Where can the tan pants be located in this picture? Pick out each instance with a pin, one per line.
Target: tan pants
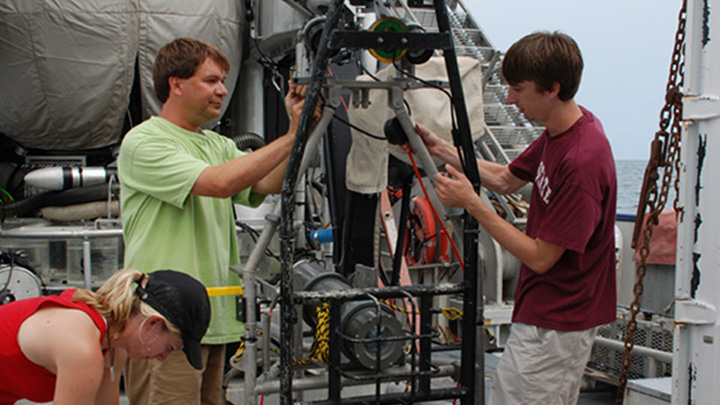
(541, 366)
(175, 382)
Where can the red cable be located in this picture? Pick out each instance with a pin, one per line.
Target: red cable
(442, 224)
(454, 400)
(341, 98)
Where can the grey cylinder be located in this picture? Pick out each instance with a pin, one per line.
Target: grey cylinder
(359, 320)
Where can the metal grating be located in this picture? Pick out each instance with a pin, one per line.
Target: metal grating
(515, 137)
(495, 94)
(481, 53)
(426, 18)
(654, 334)
(503, 115)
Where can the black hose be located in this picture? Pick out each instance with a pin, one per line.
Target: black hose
(57, 198)
(248, 140)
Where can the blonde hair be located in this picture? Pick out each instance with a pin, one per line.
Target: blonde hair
(117, 301)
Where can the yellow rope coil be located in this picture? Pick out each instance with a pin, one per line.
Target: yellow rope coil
(452, 314)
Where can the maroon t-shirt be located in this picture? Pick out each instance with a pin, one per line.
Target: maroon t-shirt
(573, 206)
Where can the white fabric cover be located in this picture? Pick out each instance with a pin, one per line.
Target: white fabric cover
(67, 67)
(368, 158)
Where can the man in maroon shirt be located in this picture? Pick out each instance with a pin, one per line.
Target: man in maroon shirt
(566, 287)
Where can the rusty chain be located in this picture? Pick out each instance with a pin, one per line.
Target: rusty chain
(665, 152)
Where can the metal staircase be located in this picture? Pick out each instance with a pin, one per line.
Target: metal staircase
(507, 132)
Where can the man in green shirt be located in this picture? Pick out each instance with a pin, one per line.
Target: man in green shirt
(179, 183)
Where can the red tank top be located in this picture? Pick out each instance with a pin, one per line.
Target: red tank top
(19, 377)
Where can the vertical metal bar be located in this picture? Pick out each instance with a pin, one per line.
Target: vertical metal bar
(471, 305)
(415, 345)
(426, 329)
(378, 348)
(334, 388)
(287, 233)
(87, 264)
(266, 343)
(402, 230)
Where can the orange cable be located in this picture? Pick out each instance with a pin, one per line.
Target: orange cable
(442, 224)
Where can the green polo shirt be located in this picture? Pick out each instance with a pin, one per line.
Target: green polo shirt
(165, 227)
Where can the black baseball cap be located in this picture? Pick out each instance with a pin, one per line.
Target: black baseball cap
(183, 301)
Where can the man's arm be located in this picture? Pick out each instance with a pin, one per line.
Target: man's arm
(231, 177)
(537, 254)
(494, 176)
(294, 103)
(263, 169)
(498, 178)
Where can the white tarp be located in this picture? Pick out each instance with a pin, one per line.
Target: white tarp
(67, 66)
(368, 158)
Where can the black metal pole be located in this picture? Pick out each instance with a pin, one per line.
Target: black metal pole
(287, 232)
(462, 138)
(334, 385)
(402, 229)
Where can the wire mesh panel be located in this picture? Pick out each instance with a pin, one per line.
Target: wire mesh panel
(654, 333)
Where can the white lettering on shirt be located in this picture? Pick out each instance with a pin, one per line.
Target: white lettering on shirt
(542, 182)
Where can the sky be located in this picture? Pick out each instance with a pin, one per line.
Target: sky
(626, 44)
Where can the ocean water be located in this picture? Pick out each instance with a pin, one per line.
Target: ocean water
(629, 182)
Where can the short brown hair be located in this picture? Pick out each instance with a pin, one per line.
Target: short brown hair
(545, 58)
(181, 58)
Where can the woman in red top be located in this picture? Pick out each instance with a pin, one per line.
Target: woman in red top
(70, 348)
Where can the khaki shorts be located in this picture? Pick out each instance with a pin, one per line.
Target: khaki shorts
(175, 382)
(541, 366)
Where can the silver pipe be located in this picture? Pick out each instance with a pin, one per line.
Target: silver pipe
(318, 382)
(249, 112)
(421, 151)
(62, 178)
(265, 319)
(87, 265)
(59, 233)
(659, 355)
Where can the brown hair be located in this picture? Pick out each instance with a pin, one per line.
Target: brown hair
(181, 58)
(545, 58)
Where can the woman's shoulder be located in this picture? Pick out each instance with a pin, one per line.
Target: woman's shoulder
(73, 333)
